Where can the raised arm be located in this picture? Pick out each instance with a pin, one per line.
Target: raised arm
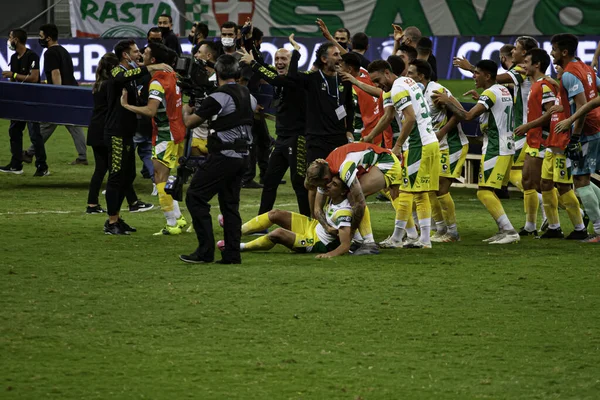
(327, 35)
(369, 89)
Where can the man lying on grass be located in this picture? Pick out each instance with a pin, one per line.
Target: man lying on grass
(303, 234)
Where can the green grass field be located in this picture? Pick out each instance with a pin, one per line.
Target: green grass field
(84, 315)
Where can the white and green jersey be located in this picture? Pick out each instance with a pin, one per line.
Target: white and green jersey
(521, 96)
(406, 92)
(439, 118)
(496, 122)
(338, 215)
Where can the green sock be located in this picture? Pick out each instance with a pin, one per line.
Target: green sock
(590, 202)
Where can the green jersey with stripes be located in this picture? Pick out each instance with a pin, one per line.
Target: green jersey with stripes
(495, 122)
(157, 92)
(439, 118)
(521, 95)
(406, 92)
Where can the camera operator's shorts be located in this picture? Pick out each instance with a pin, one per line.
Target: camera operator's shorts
(168, 153)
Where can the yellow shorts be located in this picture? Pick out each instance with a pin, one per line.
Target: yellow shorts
(391, 168)
(556, 168)
(200, 144)
(421, 169)
(494, 170)
(520, 151)
(535, 153)
(168, 153)
(451, 165)
(306, 235)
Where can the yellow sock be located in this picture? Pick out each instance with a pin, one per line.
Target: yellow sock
(550, 199)
(561, 204)
(531, 202)
(364, 228)
(448, 209)
(436, 208)
(257, 224)
(165, 200)
(494, 206)
(262, 243)
(516, 178)
(403, 205)
(424, 215)
(571, 203)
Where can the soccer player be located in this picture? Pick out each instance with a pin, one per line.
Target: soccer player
(365, 169)
(164, 105)
(303, 234)
(420, 166)
(579, 86)
(495, 107)
(555, 168)
(454, 147)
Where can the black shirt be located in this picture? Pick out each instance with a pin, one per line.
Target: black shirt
(433, 63)
(57, 57)
(322, 101)
(25, 64)
(172, 41)
(144, 126)
(95, 136)
(289, 98)
(363, 60)
(119, 121)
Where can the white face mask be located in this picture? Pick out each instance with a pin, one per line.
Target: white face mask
(228, 42)
(10, 45)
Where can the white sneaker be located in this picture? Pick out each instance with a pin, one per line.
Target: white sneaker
(450, 237)
(494, 238)
(439, 235)
(507, 238)
(154, 190)
(390, 243)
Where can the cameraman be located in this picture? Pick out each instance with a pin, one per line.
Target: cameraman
(164, 105)
(230, 111)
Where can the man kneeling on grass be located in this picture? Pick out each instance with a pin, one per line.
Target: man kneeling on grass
(303, 234)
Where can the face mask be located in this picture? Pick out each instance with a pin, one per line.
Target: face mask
(191, 39)
(165, 30)
(154, 41)
(344, 45)
(11, 46)
(43, 42)
(132, 63)
(227, 42)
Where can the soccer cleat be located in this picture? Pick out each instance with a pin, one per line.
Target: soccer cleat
(592, 239)
(220, 219)
(450, 237)
(354, 246)
(11, 170)
(193, 259)
(390, 243)
(439, 236)
(578, 235)
(544, 224)
(41, 172)
(181, 222)
(369, 248)
(140, 206)
(79, 162)
(97, 209)
(507, 238)
(553, 234)
(408, 241)
(114, 229)
(493, 238)
(169, 230)
(221, 245)
(417, 245)
(525, 232)
(126, 227)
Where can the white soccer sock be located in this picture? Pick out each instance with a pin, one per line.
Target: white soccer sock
(412, 233)
(530, 226)
(504, 223)
(170, 216)
(176, 209)
(242, 246)
(399, 228)
(425, 231)
(542, 206)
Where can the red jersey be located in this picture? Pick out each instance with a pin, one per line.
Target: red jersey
(354, 159)
(587, 77)
(559, 140)
(371, 110)
(542, 92)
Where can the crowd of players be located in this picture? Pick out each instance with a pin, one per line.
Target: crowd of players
(350, 128)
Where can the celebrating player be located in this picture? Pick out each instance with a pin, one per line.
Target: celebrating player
(303, 234)
(495, 107)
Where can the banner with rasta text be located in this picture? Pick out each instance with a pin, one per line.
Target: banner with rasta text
(119, 18)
